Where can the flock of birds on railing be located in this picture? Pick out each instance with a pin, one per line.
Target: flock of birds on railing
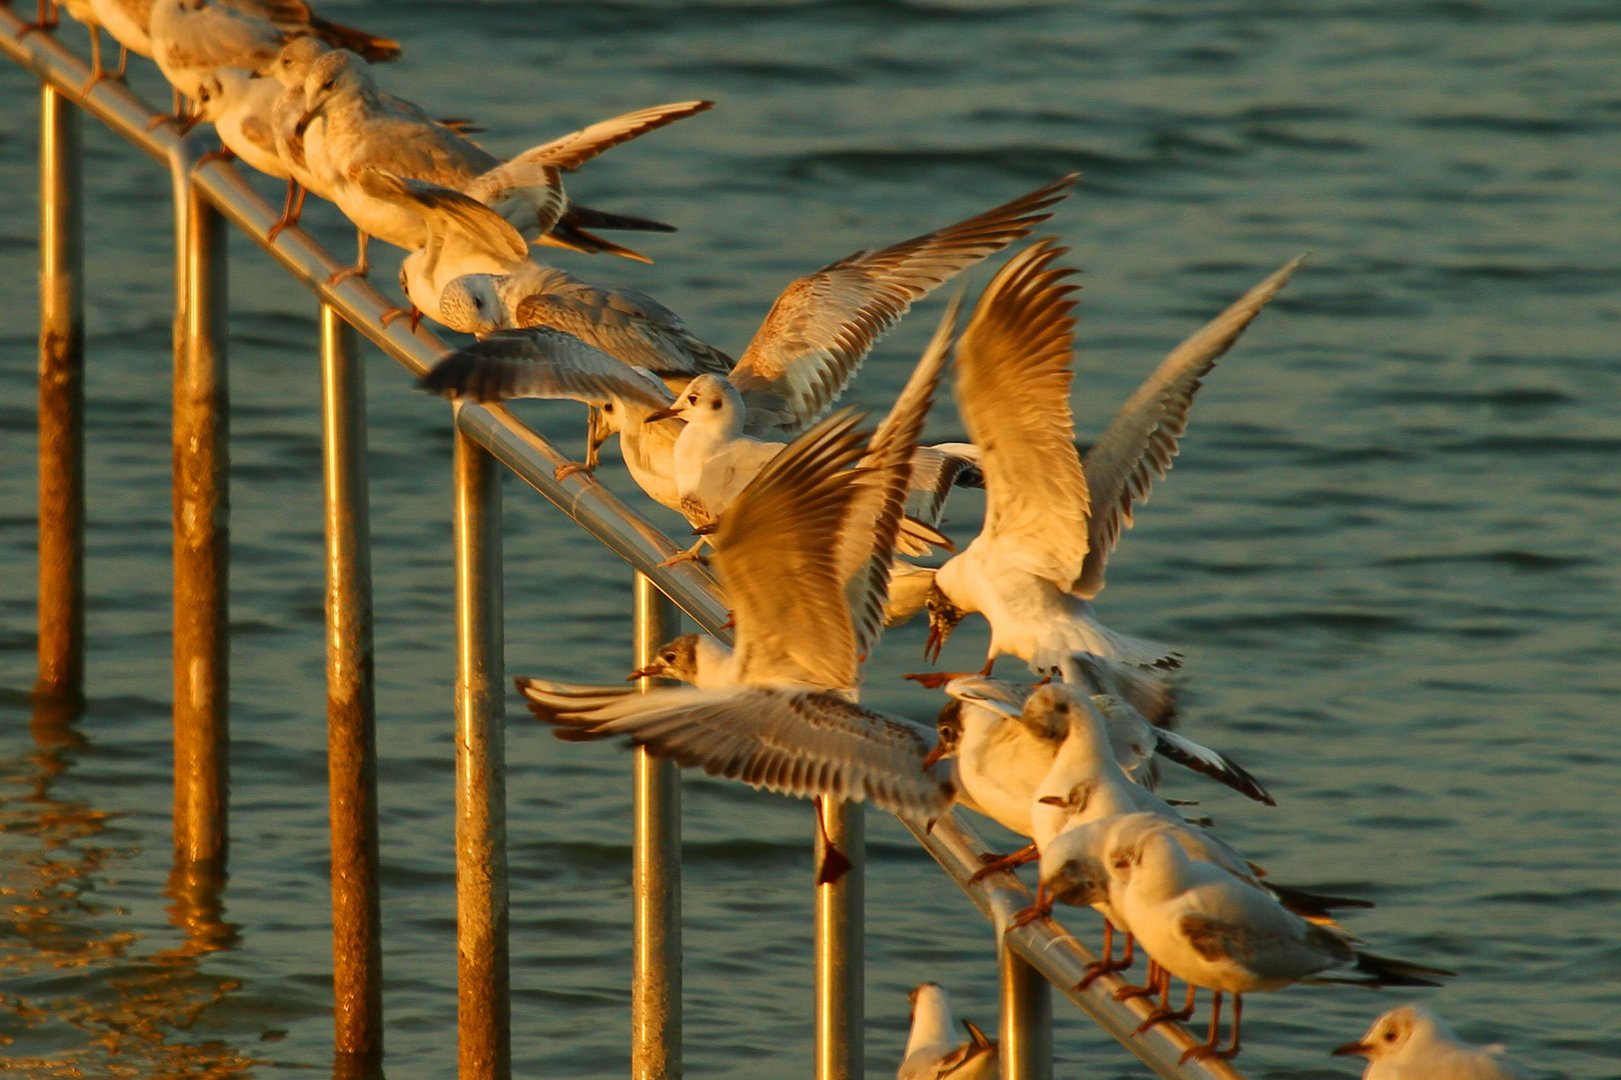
(815, 521)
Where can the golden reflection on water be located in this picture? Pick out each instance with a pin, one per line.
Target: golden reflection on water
(76, 995)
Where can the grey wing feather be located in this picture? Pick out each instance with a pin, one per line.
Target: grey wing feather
(581, 146)
(823, 325)
(1207, 762)
(936, 470)
(623, 323)
(792, 742)
(1142, 439)
(541, 363)
(867, 542)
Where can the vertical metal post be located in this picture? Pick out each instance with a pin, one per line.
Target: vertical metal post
(357, 949)
(61, 401)
(201, 509)
(484, 1012)
(840, 959)
(655, 1003)
(1026, 1035)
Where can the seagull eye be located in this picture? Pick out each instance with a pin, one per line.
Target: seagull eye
(1390, 1036)
(692, 399)
(327, 85)
(667, 657)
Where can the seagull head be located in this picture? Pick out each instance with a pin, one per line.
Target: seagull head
(337, 73)
(470, 304)
(1399, 1035)
(943, 619)
(948, 728)
(292, 64)
(707, 400)
(211, 94)
(1079, 880)
(676, 659)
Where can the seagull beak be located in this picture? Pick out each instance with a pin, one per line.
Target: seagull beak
(935, 642)
(934, 756)
(307, 119)
(661, 414)
(651, 671)
(1358, 1049)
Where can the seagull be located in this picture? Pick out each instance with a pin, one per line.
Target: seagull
(359, 128)
(932, 1053)
(804, 353)
(85, 12)
(1412, 1043)
(191, 38)
(804, 561)
(1214, 931)
(1050, 522)
(241, 105)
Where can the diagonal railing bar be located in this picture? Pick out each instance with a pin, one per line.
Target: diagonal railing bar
(1044, 946)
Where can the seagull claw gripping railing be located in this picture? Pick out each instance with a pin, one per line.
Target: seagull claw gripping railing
(1033, 957)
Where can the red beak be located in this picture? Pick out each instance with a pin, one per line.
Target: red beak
(1357, 1049)
(936, 641)
(652, 671)
(934, 756)
(661, 414)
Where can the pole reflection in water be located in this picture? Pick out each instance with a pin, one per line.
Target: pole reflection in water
(76, 996)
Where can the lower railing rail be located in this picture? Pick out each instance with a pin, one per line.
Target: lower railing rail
(1033, 958)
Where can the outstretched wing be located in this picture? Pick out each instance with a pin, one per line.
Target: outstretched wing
(866, 544)
(823, 325)
(775, 557)
(1013, 376)
(460, 228)
(578, 147)
(799, 743)
(1142, 439)
(542, 363)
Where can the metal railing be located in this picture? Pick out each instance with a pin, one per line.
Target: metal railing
(208, 194)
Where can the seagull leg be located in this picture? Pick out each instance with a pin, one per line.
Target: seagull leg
(395, 312)
(835, 863)
(1127, 992)
(1106, 964)
(362, 265)
(593, 446)
(934, 680)
(48, 19)
(291, 210)
(1042, 908)
(1213, 1040)
(691, 554)
(224, 153)
(996, 864)
(97, 72)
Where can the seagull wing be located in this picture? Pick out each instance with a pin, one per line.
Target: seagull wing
(775, 557)
(581, 146)
(823, 325)
(936, 470)
(1013, 376)
(1142, 439)
(621, 322)
(542, 363)
(866, 544)
(794, 742)
(460, 228)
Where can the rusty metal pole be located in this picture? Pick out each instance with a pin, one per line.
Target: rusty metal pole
(484, 1010)
(201, 509)
(61, 402)
(840, 962)
(1026, 1035)
(655, 1003)
(351, 731)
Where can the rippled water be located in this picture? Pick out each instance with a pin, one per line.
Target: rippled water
(1389, 549)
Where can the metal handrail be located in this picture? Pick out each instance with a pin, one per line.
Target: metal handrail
(1041, 947)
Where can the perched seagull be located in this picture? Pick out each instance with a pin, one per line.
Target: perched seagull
(1050, 523)
(358, 128)
(808, 348)
(1214, 931)
(1412, 1043)
(1074, 871)
(241, 106)
(932, 1052)
(804, 562)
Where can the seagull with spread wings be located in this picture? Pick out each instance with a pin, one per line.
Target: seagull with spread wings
(804, 559)
(1050, 522)
(803, 355)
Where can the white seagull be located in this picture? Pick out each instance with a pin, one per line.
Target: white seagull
(804, 562)
(1214, 931)
(360, 128)
(932, 1051)
(1050, 523)
(1412, 1043)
